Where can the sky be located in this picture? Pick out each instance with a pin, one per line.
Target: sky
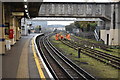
(59, 22)
(62, 22)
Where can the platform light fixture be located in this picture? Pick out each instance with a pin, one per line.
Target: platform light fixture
(25, 0)
(25, 6)
(26, 11)
(28, 16)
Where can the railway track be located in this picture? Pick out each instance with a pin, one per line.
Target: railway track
(59, 65)
(101, 56)
(90, 44)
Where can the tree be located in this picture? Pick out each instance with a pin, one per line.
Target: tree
(82, 25)
(88, 27)
(70, 27)
(77, 24)
(92, 26)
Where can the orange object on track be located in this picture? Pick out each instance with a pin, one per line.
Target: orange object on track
(61, 37)
(68, 36)
(57, 37)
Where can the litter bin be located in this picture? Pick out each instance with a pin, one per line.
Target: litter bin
(8, 44)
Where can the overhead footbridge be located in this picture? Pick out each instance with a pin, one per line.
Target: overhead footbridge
(76, 10)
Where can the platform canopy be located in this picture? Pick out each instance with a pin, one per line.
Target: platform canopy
(21, 0)
(19, 7)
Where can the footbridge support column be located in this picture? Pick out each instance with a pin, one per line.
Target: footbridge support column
(115, 25)
(118, 22)
(110, 35)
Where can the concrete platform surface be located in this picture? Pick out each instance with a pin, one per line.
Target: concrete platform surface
(19, 61)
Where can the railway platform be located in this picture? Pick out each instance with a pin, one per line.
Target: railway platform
(19, 62)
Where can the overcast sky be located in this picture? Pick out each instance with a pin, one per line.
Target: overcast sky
(60, 22)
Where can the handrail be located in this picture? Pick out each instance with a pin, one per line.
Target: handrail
(96, 35)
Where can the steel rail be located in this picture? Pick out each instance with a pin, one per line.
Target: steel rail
(45, 60)
(64, 72)
(113, 59)
(68, 64)
(80, 70)
(96, 56)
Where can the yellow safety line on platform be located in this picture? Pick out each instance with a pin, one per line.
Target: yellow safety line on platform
(41, 74)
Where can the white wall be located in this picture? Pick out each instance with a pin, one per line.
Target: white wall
(113, 33)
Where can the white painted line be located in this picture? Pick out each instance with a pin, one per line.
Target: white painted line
(49, 73)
